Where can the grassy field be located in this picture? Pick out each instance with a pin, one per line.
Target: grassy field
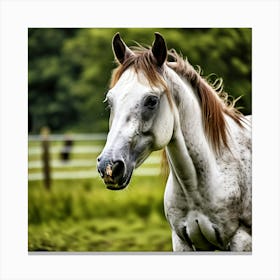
(83, 216)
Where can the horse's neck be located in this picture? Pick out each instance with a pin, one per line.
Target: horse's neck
(190, 156)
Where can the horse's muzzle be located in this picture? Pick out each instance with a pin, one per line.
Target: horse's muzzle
(112, 173)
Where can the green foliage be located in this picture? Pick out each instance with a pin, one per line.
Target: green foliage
(82, 215)
(69, 69)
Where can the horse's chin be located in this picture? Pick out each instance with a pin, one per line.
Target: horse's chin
(115, 187)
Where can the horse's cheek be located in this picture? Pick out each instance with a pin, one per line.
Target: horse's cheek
(163, 132)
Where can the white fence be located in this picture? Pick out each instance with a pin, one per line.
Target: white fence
(76, 168)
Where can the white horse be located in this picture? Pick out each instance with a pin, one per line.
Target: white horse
(157, 104)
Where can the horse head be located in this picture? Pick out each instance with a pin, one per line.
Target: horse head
(141, 119)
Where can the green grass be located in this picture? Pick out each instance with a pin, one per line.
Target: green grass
(101, 234)
(82, 215)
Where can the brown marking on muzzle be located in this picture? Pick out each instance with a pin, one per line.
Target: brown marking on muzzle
(108, 179)
(109, 171)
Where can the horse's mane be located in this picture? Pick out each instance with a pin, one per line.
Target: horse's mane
(215, 103)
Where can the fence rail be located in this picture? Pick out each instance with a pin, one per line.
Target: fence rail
(76, 150)
(75, 137)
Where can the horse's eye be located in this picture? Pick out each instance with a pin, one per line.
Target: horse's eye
(151, 102)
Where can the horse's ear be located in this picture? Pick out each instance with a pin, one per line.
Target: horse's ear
(120, 49)
(159, 49)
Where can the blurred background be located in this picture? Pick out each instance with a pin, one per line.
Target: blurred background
(69, 70)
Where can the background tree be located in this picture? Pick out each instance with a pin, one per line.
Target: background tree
(69, 69)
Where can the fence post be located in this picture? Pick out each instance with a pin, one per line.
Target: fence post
(65, 154)
(46, 157)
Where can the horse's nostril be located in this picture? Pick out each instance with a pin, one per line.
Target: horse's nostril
(112, 172)
(118, 169)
